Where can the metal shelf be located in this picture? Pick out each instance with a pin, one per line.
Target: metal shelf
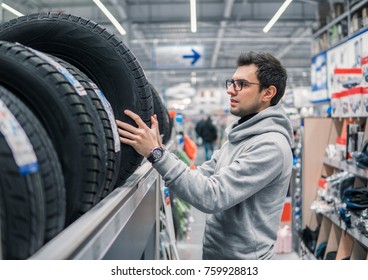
(339, 18)
(124, 225)
(343, 165)
(354, 232)
(305, 252)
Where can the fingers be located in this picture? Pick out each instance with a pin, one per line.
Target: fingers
(135, 118)
(130, 132)
(127, 134)
(154, 121)
(128, 127)
(155, 126)
(127, 141)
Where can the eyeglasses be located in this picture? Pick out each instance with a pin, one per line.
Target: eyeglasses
(239, 84)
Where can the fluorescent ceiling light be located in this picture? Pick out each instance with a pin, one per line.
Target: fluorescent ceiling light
(110, 17)
(193, 16)
(276, 16)
(12, 10)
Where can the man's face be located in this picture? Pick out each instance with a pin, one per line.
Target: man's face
(248, 100)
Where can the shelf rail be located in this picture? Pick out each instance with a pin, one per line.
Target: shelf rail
(118, 227)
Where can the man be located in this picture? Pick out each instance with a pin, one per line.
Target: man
(243, 186)
(198, 128)
(208, 132)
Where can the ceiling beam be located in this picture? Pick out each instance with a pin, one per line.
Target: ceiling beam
(174, 71)
(240, 11)
(300, 33)
(225, 39)
(220, 32)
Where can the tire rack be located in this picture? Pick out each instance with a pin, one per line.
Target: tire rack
(124, 225)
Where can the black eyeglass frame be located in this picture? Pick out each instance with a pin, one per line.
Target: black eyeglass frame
(228, 83)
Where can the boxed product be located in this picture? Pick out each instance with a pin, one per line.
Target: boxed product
(345, 78)
(340, 148)
(365, 70)
(336, 105)
(365, 102)
(354, 23)
(338, 9)
(355, 101)
(365, 16)
(345, 104)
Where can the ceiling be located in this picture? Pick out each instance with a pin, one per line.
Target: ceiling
(225, 29)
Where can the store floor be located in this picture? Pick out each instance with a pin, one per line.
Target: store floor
(190, 248)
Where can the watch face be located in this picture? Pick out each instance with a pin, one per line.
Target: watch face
(156, 154)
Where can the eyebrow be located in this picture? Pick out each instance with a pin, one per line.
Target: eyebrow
(242, 80)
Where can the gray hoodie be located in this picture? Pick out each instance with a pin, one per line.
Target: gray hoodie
(242, 187)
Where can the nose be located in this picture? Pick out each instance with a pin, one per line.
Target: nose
(231, 91)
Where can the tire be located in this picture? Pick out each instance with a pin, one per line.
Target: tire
(171, 123)
(110, 133)
(98, 54)
(64, 115)
(98, 128)
(22, 205)
(162, 115)
(49, 165)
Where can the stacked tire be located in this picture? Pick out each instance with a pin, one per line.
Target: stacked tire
(63, 82)
(32, 194)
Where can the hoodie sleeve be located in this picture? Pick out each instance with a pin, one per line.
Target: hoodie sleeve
(252, 170)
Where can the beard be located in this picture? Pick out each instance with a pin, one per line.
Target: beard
(241, 112)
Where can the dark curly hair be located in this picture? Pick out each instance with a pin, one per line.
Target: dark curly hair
(270, 71)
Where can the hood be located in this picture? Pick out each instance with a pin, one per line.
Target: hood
(272, 119)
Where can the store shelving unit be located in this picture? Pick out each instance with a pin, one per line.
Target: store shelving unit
(305, 253)
(353, 232)
(347, 242)
(293, 189)
(312, 164)
(343, 24)
(346, 166)
(348, 23)
(124, 225)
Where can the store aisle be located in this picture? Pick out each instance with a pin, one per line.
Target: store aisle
(190, 248)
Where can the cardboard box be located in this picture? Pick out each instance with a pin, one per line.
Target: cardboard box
(355, 96)
(365, 101)
(339, 9)
(336, 105)
(365, 70)
(345, 104)
(340, 148)
(365, 16)
(354, 23)
(345, 78)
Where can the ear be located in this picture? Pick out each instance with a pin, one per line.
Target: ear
(269, 93)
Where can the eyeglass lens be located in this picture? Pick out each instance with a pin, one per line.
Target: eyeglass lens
(238, 85)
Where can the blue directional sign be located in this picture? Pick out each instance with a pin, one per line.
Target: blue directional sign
(195, 56)
(166, 57)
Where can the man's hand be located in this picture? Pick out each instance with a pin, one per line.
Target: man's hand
(142, 138)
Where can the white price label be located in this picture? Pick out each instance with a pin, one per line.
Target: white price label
(110, 114)
(18, 141)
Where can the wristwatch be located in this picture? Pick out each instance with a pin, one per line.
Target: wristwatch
(155, 155)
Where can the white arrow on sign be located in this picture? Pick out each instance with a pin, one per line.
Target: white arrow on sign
(177, 57)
